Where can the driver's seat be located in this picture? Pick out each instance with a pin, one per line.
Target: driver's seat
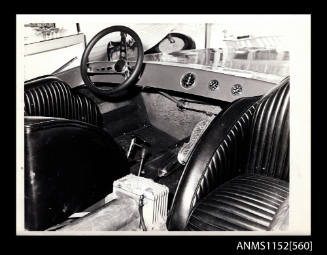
(70, 160)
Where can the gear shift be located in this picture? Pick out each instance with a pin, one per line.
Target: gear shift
(139, 142)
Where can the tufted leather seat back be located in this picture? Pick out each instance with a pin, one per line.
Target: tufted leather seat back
(69, 165)
(249, 137)
(269, 139)
(69, 158)
(52, 97)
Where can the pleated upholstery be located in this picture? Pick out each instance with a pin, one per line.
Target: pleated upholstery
(218, 157)
(51, 97)
(269, 141)
(226, 162)
(247, 202)
(253, 142)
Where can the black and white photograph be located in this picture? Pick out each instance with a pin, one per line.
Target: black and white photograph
(163, 124)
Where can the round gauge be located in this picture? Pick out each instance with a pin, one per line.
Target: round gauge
(188, 80)
(213, 85)
(237, 89)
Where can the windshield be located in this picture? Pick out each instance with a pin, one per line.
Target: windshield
(214, 45)
(202, 45)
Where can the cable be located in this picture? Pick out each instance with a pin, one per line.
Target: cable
(181, 104)
(141, 204)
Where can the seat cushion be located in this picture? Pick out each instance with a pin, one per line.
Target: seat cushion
(247, 202)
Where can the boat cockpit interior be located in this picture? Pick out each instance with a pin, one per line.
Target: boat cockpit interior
(134, 139)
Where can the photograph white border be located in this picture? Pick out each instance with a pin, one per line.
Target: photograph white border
(298, 30)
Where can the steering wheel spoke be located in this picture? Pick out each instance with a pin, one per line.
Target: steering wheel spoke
(127, 73)
(123, 46)
(100, 68)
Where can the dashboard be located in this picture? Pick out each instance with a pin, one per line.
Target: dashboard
(224, 85)
(206, 73)
(211, 73)
(221, 84)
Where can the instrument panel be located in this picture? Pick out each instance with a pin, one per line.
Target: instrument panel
(203, 82)
(221, 84)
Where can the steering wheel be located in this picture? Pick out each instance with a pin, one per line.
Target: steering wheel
(119, 67)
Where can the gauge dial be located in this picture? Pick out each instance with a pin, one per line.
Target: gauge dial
(237, 89)
(213, 85)
(188, 80)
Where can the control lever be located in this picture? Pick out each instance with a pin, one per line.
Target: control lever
(144, 153)
(138, 142)
(131, 147)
